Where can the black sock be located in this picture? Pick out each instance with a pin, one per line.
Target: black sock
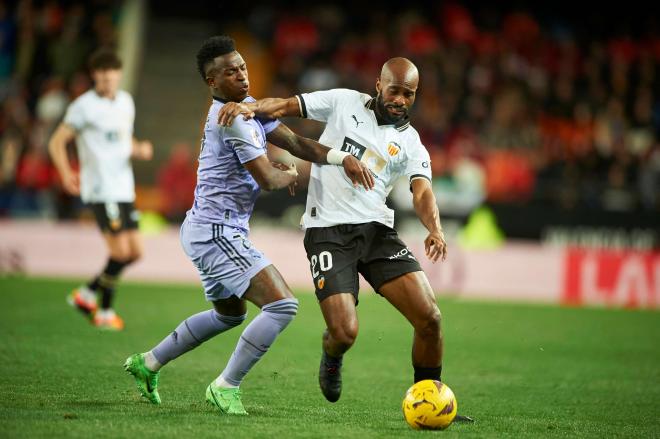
(94, 283)
(107, 294)
(427, 373)
(331, 361)
(107, 280)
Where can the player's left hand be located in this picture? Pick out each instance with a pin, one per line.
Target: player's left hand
(231, 110)
(358, 172)
(291, 169)
(280, 166)
(435, 246)
(143, 150)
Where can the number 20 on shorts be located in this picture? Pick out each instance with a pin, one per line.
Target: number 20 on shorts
(324, 262)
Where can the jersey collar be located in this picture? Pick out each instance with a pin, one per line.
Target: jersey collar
(400, 125)
(224, 101)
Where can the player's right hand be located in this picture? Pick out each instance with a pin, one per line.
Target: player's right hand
(71, 183)
(435, 246)
(231, 110)
(358, 172)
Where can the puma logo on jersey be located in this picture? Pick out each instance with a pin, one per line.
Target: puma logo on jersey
(357, 122)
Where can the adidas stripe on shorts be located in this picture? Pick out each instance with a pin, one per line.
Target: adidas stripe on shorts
(224, 257)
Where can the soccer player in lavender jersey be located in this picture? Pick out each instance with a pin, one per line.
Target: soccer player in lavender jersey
(349, 230)
(233, 167)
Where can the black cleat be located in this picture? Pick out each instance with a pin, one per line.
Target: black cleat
(463, 418)
(330, 378)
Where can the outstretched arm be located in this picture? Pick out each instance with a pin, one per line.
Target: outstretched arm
(270, 108)
(426, 209)
(310, 150)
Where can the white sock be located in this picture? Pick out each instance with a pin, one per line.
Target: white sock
(105, 313)
(151, 363)
(220, 382)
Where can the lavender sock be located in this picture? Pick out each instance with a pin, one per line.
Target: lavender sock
(192, 332)
(257, 338)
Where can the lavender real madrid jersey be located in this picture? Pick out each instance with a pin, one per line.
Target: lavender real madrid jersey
(226, 191)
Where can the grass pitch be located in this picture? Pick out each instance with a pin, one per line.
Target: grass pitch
(519, 370)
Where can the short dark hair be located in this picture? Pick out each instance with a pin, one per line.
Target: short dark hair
(211, 49)
(104, 59)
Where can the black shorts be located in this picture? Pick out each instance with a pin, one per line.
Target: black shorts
(337, 254)
(115, 217)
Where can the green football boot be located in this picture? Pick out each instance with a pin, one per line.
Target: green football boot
(228, 400)
(147, 381)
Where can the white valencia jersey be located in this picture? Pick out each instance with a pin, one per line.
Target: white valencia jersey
(104, 137)
(390, 152)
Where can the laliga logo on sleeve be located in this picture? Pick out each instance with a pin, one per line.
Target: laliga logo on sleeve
(255, 136)
(393, 149)
(321, 282)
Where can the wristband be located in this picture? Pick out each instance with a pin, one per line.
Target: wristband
(336, 157)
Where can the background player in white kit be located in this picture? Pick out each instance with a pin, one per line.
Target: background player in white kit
(349, 230)
(101, 122)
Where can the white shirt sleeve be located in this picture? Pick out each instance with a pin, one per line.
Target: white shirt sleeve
(418, 164)
(75, 115)
(320, 105)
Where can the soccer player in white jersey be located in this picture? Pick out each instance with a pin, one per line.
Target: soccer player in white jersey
(233, 168)
(349, 230)
(101, 122)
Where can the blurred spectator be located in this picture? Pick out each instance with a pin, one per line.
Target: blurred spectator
(69, 51)
(7, 35)
(10, 147)
(34, 177)
(319, 76)
(176, 183)
(649, 179)
(51, 104)
(26, 44)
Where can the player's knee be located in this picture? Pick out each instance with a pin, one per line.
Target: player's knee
(344, 334)
(135, 256)
(430, 325)
(122, 255)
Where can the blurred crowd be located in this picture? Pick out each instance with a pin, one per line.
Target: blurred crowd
(43, 51)
(513, 107)
(44, 47)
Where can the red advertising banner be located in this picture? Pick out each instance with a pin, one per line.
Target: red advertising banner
(612, 278)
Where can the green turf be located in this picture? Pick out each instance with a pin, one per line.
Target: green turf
(521, 371)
